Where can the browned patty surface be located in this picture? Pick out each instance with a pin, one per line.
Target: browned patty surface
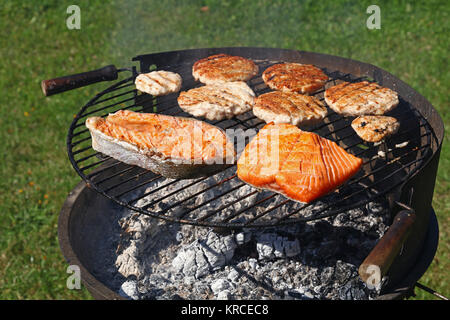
(375, 128)
(289, 107)
(224, 68)
(218, 101)
(361, 98)
(294, 77)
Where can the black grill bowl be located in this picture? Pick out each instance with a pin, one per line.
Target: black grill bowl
(85, 220)
(85, 224)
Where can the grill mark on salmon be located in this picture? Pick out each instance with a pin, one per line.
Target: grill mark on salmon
(308, 166)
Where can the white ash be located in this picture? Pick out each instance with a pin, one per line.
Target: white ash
(128, 289)
(220, 285)
(402, 145)
(317, 259)
(313, 260)
(224, 295)
(272, 245)
(202, 257)
(398, 145)
(381, 153)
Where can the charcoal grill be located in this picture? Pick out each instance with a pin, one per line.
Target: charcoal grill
(401, 169)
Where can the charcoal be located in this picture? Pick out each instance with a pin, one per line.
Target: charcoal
(326, 275)
(224, 295)
(343, 272)
(233, 276)
(202, 257)
(253, 264)
(313, 260)
(202, 288)
(128, 262)
(352, 291)
(271, 245)
(220, 285)
(314, 280)
(243, 237)
(128, 289)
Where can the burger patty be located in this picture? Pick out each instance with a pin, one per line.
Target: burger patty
(158, 83)
(375, 128)
(218, 101)
(294, 77)
(361, 98)
(289, 107)
(224, 68)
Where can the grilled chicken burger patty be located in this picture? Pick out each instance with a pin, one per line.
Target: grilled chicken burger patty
(361, 98)
(294, 77)
(158, 83)
(218, 101)
(224, 68)
(375, 128)
(289, 107)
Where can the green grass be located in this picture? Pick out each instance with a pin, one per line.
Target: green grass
(35, 44)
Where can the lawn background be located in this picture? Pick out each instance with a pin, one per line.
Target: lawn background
(35, 44)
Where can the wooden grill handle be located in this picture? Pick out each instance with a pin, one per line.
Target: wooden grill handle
(378, 262)
(57, 85)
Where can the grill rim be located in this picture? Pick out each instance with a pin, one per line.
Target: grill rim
(317, 59)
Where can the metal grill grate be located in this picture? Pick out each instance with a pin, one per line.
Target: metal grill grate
(222, 200)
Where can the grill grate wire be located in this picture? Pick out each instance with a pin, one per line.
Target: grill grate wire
(386, 166)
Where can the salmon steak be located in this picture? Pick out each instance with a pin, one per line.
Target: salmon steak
(174, 147)
(300, 165)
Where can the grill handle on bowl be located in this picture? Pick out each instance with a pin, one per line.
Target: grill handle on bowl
(378, 262)
(58, 85)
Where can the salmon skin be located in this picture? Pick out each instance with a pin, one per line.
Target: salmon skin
(174, 147)
(300, 165)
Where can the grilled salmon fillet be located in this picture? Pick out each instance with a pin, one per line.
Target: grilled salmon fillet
(262, 158)
(300, 165)
(158, 83)
(289, 107)
(174, 147)
(294, 77)
(375, 128)
(361, 98)
(218, 101)
(224, 68)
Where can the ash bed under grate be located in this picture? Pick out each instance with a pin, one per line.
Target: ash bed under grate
(312, 260)
(222, 200)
